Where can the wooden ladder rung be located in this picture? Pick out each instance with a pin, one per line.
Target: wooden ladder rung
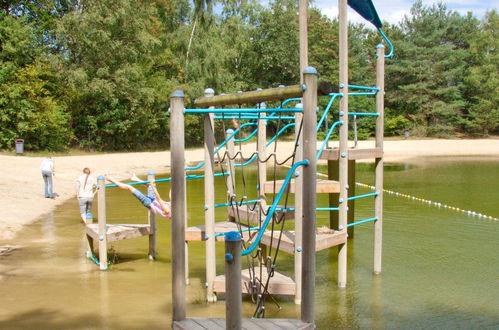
(322, 241)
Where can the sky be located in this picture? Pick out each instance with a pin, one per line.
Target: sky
(394, 10)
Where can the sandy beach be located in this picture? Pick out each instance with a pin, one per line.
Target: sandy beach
(21, 185)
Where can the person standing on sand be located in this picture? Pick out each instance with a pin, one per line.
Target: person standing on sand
(154, 204)
(86, 187)
(47, 169)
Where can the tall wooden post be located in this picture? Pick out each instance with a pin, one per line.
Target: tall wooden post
(343, 212)
(152, 223)
(262, 154)
(378, 200)
(101, 214)
(209, 205)
(177, 149)
(309, 194)
(233, 299)
(302, 20)
(333, 174)
(231, 179)
(298, 205)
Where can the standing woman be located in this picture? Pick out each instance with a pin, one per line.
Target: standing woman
(47, 169)
(86, 186)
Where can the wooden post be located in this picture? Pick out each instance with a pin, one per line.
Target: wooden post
(298, 206)
(231, 179)
(378, 200)
(333, 174)
(302, 20)
(351, 192)
(309, 194)
(233, 298)
(343, 159)
(209, 203)
(178, 204)
(152, 223)
(101, 213)
(262, 154)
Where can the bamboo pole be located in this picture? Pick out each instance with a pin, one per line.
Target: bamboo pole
(101, 213)
(302, 20)
(209, 203)
(309, 194)
(343, 159)
(151, 217)
(378, 201)
(178, 204)
(233, 298)
(298, 207)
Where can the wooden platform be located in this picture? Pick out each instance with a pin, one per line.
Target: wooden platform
(323, 241)
(323, 186)
(245, 214)
(279, 284)
(353, 154)
(198, 233)
(116, 232)
(247, 324)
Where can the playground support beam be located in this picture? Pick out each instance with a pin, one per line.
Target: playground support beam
(151, 218)
(270, 94)
(233, 299)
(298, 206)
(302, 20)
(309, 194)
(378, 200)
(231, 179)
(177, 155)
(343, 212)
(101, 214)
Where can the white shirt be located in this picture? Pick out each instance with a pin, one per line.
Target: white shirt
(86, 189)
(47, 165)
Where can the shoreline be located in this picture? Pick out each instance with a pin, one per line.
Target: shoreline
(21, 186)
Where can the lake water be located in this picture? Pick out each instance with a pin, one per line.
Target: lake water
(440, 266)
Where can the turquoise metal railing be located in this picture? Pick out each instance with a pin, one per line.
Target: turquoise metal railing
(390, 54)
(326, 110)
(361, 222)
(241, 110)
(236, 203)
(351, 198)
(187, 177)
(326, 139)
(363, 87)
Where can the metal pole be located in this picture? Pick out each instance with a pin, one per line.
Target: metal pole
(298, 207)
(378, 201)
(343, 159)
(209, 203)
(309, 194)
(101, 214)
(151, 217)
(177, 149)
(233, 299)
(302, 20)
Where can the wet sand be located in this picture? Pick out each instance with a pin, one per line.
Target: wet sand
(21, 185)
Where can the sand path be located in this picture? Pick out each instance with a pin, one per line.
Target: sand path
(21, 185)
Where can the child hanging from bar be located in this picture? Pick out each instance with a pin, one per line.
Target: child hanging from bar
(152, 200)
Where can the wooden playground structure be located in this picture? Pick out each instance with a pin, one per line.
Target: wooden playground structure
(245, 230)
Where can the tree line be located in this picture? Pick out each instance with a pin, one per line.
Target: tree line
(97, 74)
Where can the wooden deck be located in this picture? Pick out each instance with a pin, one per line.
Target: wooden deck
(243, 213)
(353, 154)
(323, 186)
(198, 233)
(322, 241)
(247, 324)
(116, 232)
(279, 284)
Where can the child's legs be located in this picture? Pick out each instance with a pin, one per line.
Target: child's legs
(145, 200)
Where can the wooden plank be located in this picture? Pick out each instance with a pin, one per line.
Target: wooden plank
(247, 324)
(187, 324)
(244, 213)
(198, 233)
(323, 241)
(279, 283)
(323, 186)
(116, 232)
(353, 154)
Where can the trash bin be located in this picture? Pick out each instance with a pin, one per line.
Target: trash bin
(19, 146)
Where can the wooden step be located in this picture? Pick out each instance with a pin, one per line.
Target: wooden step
(244, 214)
(322, 241)
(353, 153)
(323, 186)
(194, 323)
(198, 233)
(279, 284)
(116, 232)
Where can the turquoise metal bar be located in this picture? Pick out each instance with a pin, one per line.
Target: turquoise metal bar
(296, 99)
(362, 93)
(326, 110)
(272, 210)
(390, 54)
(374, 114)
(328, 135)
(362, 196)
(236, 203)
(241, 231)
(279, 133)
(363, 87)
(187, 177)
(248, 137)
(361, 222)
(327, 209)
(250, 110)
(251, 160)
(256, 117)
